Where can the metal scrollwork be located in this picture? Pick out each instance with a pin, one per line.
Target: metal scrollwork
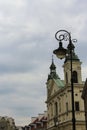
(64, 35)
(74, 40)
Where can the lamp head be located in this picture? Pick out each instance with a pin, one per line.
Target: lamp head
(60, 52)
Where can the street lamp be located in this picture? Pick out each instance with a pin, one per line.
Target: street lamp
(61, 53)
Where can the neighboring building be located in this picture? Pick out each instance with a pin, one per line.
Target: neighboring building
(59, 103)
(84, 96)
(7, 123)
(19, 128)
(37, 123)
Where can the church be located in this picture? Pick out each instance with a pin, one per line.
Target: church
(59, 103)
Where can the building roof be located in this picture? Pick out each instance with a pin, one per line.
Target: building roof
(59, 82)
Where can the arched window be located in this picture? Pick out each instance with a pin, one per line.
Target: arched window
(66, 78)
(51, 105)
(75, 77)
(56, 108)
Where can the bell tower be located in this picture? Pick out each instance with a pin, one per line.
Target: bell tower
(76, 67)
(53, 73)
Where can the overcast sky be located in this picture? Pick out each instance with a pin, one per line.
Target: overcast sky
(27, 40)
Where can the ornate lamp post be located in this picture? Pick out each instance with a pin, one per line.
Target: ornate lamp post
(61, 53)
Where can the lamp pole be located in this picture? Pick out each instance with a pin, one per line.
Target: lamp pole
(61, 53)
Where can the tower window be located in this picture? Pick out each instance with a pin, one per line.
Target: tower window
(59, 106)
(77, 106)
(56, 108)
(66, 78)
(67, 108)
(51, 110)
(75, 77)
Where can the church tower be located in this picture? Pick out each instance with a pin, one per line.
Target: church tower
(53, 80)
(76, 67)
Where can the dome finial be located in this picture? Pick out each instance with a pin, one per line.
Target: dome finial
(53, 67)
(52, 59)
(53, 73)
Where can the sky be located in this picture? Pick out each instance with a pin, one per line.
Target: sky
(27, 41)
